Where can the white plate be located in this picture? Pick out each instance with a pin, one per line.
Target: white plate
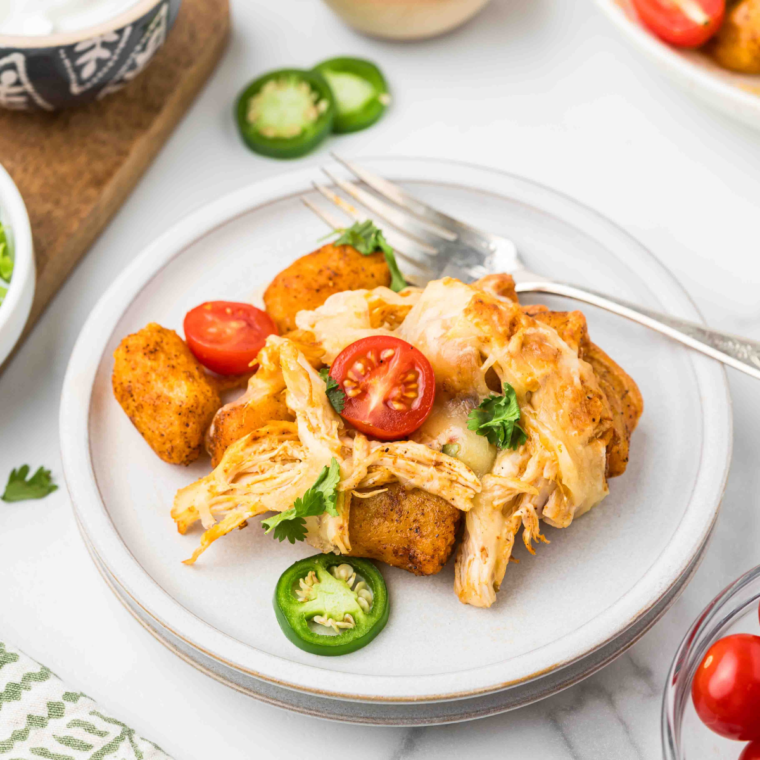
(737, 95)
(14, 311)
(404, 713)
(593, 582)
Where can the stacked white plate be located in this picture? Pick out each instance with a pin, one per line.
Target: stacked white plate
(560, 616)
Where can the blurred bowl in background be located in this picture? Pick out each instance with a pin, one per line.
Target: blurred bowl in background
(405, 19)
(47, 72)
(684, 736)
(15, 308)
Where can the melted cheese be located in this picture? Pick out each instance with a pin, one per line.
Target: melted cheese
(447, 424)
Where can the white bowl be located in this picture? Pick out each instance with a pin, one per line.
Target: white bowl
(14, 311)
(737, 95)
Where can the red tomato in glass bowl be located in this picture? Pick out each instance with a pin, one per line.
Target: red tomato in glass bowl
(389, 386)
(226, 336)
(751, 752)
(726, 687)
(685, 23)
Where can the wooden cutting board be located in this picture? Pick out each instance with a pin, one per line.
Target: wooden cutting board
(75, 168)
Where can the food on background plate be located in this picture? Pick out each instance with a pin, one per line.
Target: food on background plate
(360, 90)
(737, 44)
(729, 34)
(378, 421)
(6, 263)
(685, 23)
(165, 392)
(289, 112)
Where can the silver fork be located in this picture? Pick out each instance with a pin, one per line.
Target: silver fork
(436, 245)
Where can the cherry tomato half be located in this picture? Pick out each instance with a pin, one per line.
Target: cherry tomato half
(226, 336)
(389, 386)
(726, 687)
(751, 752)
(686, 23)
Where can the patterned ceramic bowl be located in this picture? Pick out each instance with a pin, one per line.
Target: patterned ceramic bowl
(60, 70)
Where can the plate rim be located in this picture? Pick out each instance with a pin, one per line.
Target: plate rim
(159, 605)
(732, 99)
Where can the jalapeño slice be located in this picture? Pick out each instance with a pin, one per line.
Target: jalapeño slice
(360, 90)
(331, 605)
(286, 113)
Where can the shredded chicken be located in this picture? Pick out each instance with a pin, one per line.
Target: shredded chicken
(269, 468)
(476, 337)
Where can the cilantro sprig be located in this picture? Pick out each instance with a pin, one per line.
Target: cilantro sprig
(497, 419)
(367, 239)
(6, 263)
(335, 394)
(19, 488)
(320, 498)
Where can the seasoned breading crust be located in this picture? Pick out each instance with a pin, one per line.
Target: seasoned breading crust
(165, 392)
(309, 281)
(736, 46)
(262, 403)
(622, 393)
(406, 528)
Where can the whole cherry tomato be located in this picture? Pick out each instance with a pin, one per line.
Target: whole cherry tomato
(751, 752)
(226, 336)
(726, 687)
(686, 23)
(389, 386)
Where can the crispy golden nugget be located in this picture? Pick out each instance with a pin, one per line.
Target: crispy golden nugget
(621, 391)
(625, 401)
(165, 392)
(309, 281)
(736, 46)
(235, 420)
(410, 529)
(264, 399)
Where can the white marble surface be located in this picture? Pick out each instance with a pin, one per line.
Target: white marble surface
(542, 88)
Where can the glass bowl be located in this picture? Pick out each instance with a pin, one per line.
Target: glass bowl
(684, 736)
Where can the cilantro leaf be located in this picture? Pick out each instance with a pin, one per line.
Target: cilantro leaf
(366, 238)
(36, 487)
(327, 485)
(496, 418)
(335, 394)
(320, 498)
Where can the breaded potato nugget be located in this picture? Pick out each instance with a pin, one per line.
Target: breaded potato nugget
(165, 392)
(309, 281)
(623, 395)
(411, 529)
(736, 46)
(264, 399)
(241, 417)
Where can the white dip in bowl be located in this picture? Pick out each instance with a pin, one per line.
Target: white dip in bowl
(41, 17)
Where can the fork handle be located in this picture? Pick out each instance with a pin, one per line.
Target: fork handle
(739, 353)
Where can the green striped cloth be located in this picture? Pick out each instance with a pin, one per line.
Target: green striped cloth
(41, 718)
